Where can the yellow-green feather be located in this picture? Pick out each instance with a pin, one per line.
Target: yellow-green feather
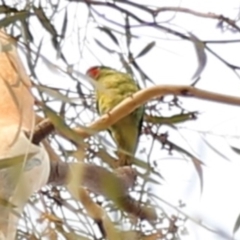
(115, 87)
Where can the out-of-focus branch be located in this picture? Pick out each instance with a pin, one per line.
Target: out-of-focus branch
(108, 230)
(92, 176)
(113, 185)
(99, 215)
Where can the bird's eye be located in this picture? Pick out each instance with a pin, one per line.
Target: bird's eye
(93, 72)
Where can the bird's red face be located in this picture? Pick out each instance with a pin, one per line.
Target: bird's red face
(94, 72)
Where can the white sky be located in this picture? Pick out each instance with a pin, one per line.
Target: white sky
(174, 62)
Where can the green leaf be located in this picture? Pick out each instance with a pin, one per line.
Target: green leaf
(19, 16)
(6, 203)
(201, 55)
(44, 20)
(54, 93)
(237, 224)
(110, 34)
(62, 126)
(236, 150)
(104, 47)
(196, 162)
(198, 166)
(27, 33)
(6, 9)
(178, 118)
(64, 26)
(146, 49)
(213, 148)
(46, 23)
(13, 161)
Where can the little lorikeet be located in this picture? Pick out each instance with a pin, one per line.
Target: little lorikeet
(114, 86)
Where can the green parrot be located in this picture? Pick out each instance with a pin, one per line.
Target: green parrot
(114, 87)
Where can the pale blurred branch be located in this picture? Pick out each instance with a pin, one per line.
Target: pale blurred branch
(97, 180)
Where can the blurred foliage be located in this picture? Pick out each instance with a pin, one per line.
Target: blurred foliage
(52, 213)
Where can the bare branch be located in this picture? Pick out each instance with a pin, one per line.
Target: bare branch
(131, 103)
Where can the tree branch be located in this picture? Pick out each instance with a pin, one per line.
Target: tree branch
(131, 103)
(140, 98)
